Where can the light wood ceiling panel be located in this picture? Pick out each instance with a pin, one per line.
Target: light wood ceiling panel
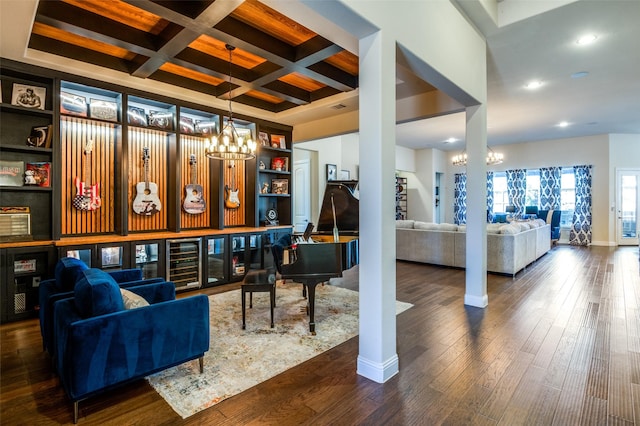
(264, 18)
(67, 37)
(346, 61)
(264, 97)
(188, 73)
(217, 49)
(124, 13)
(302, 82)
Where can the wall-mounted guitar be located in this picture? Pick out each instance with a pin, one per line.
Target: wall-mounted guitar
(87, 196)
(146, 202)
(193, 201)
(231, 200)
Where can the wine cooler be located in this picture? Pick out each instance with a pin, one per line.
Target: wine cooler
(183, 263)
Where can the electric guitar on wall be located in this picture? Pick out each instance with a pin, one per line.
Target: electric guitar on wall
(87, 196)
(146, 202)
(231, 200)
(193, 201)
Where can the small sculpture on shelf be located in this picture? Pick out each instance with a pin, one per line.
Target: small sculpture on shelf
(29, 179)
(265, 188)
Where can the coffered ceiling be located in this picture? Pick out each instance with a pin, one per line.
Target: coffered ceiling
(278, 64)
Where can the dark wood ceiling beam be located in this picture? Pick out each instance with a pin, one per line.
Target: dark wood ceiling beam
(259, 103)
(287, 91)
(71, 51)
(315, 50)
(335, 74)
(86, 24)
(187, 83)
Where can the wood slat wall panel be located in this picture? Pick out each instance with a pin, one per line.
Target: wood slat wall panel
(75, 133)
(195, 145)
(157, 142)
(235, 217)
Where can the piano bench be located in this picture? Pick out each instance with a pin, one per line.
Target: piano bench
(259, 281)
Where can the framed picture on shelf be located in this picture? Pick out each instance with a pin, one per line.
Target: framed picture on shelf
(278, 141)
(187, 126)
(40, 136)
(161, 120)
(332, 172)
(280, 164)
(279, 186)
(103, 110)
(264, 138)
(28, 96)
(137, 116)
(11, 173)
(345, 175)
(73, 104)
(40, 174)
(205, 127)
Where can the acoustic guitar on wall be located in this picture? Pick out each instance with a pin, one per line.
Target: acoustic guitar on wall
(146, 202)
(87, 195)
(231, 199)
(193, 200)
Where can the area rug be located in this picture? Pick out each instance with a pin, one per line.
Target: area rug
(239, 359)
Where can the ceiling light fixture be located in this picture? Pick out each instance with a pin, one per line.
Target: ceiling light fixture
(532, 85)
(228, 144)
(563, 124)
(451, 140)
(493, 158)
(586, 39)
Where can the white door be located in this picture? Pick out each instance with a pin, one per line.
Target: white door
(302, 194)
(628, 194)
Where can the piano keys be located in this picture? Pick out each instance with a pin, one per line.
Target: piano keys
(315, 263)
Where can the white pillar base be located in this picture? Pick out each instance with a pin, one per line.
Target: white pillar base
(477, 301)
(378, 372)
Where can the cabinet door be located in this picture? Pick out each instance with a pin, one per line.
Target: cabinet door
(216, 261)
(113, 256)
(149, 256)
(25, 268)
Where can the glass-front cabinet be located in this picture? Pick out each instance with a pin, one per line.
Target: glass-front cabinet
(215, 273)
(246, 254)
(149, 257)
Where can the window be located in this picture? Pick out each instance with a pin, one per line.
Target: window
(533, 188)
(567, 196)
(500, 194)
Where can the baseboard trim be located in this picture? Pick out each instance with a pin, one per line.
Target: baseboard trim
(604, 243)
(376, 371)
(477, 301)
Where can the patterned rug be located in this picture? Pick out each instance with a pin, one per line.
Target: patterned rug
(239, 359)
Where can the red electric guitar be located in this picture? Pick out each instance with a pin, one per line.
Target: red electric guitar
(146, 202)
(193, 201)
(87, 196)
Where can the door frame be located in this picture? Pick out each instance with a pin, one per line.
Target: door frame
(620, 240)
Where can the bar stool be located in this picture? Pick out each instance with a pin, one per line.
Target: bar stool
(258, 281)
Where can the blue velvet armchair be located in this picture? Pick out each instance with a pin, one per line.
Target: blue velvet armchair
(101, 345)
(68, 272)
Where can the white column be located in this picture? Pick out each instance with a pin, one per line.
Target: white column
(476, 254)
(377, 358)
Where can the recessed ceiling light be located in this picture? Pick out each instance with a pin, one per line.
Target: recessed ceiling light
(586, 39)
(450, 140)
(532, 85)
(563, 124)
(580, 74)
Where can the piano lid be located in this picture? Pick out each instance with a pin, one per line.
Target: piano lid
(345, 199)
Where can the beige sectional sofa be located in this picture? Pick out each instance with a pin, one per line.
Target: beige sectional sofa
(510, 247)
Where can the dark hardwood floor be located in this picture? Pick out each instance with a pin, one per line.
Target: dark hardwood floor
(557, 345)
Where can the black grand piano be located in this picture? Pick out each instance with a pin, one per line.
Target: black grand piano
(315, 263)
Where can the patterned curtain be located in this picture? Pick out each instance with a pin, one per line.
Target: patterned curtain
(550, 185)
(460, 199)
(580, 234)
(517, 189)
(489, 196)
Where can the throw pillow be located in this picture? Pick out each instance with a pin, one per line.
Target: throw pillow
(447, 227)
(97, 294)
(132, 300)
(425, 225)
(509, 229)
(68, 272)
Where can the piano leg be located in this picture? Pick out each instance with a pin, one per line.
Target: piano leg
(311, 300)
